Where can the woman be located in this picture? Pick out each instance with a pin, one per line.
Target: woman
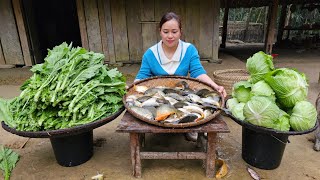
(171, 56)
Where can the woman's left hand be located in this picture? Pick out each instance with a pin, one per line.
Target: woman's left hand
(222, 90)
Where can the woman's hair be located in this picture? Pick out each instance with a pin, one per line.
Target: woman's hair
(167, 17)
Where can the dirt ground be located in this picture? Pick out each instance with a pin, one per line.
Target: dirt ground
(111, 150)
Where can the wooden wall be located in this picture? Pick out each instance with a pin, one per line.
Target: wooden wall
(124, 29)
(121, 29)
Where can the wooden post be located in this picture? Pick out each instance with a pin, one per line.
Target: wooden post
(2, 61)
(211, 154)
(135, 155)
(272, 17)
(281, 22)
(225, 25)
(215, 39)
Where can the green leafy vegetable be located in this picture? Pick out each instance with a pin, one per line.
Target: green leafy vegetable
(241, 90)
(8, 160)
(289, 86)
(261, 88)
(304, 116)
(258, 66)
(72, 87)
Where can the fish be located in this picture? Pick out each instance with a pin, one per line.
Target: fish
(140, 89)
(152, 91)
(176, 96)
(253, 173)
(188, 118)
(222, 168)
(194, 98)
(150, 102)
(164, 111)
(202, 92)
(142, 112)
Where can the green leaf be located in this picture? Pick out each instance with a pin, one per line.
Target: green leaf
(8, 160)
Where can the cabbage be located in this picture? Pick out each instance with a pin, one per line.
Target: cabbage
(282, 123)
(303, 117)
(261, 111)
(258, 66)
(241, 91)
(237, 111)
(231, 103)
(261, 88)
(289, 86)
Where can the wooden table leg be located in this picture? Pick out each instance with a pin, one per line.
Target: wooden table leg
(211, 154)
(135, 155)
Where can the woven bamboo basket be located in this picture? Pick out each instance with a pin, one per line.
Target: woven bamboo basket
(170, 81)
(228, 77)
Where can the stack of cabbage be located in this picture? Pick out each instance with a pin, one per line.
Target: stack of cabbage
(272, 98)
(72, 87)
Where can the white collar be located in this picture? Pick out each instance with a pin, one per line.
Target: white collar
(176, 56)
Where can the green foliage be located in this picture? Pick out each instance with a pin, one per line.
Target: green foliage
(72, 87)
(8, 160)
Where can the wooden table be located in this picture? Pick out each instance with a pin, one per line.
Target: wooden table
(137, 128)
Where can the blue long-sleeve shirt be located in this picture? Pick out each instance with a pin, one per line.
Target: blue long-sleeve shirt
(185, 60)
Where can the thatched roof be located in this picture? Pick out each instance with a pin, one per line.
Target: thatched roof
(261, 3)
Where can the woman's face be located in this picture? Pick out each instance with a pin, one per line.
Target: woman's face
(170, 33)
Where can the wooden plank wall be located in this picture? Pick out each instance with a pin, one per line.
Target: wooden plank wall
(11, 47)
(131, 26)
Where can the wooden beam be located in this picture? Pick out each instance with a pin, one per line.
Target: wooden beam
(271, 25)
(225, 25)
(173, 155)
(82, 24)
(110, 40)
(281, 22)
(215, 39)
(22, 33)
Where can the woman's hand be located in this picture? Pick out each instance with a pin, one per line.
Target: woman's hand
(222, 90)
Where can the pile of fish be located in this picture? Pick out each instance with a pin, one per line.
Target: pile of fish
(178, 104)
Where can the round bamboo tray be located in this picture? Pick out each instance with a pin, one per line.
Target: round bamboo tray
(228, 77)
(170, 81)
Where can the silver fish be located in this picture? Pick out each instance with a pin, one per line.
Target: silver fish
(142, 112)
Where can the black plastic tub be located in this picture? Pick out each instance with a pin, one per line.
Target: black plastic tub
(72, 146)
(263, 150)
(73, 150)
(264, 147)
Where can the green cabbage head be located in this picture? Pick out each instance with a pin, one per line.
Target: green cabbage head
(241, 91)
(303, 117)
(290, 86)
(258, 66)
(261, 111)
(282, 123)
(261, 88)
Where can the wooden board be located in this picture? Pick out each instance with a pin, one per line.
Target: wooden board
(147, 10)
(92, 24)
(22, 32)
(110, 44)
(206, 29)
(149, 35)
(160, 8)
(178, 7)
(192, 22)
(11, 47)
(149, 26)
(82, 24)
(134, 30)
(120, 34)
(103, 30)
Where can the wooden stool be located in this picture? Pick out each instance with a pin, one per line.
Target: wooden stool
(137, 128)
